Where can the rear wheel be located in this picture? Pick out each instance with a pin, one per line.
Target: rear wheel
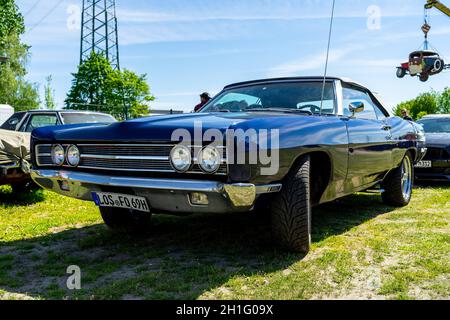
(291, 210)
(126, 220)
(439, 65)
(398, 184)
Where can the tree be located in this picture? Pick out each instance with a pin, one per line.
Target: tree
(424, 104)
(444, 101)
(98, 87)
(14, 89)
(90, 84)
(49, 94)
(11, 20)
(131, 92)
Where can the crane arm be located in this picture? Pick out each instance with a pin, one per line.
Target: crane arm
(438, 5)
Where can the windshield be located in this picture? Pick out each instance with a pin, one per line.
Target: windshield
(436, 125)
(80, 118)
(298, 96)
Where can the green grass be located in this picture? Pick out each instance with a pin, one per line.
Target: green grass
(362, 249)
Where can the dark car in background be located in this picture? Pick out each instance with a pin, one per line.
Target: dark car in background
(15, 136)
(334, 140)
(436, 164)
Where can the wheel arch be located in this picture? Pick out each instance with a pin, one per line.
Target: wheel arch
(321, 172)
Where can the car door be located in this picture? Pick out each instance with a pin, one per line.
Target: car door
(370, 140)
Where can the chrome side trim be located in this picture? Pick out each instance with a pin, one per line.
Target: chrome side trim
(125, 169)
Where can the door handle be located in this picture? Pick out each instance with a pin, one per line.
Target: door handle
(386, 127)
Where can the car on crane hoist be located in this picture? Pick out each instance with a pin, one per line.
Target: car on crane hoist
(422, 64)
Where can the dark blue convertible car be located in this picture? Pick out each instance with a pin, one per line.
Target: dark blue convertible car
(280, 145)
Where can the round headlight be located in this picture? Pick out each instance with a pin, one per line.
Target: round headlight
(209, 159)
(181, 158)
(58, 155)
(73, 156)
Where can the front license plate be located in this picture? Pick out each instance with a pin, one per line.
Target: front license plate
(124, 201)
(424, 164)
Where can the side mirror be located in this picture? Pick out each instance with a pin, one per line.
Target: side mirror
(356, 107)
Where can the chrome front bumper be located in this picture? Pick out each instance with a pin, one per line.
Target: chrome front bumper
(166, 195)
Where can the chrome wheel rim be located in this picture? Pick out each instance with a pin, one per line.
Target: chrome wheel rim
(406, 178)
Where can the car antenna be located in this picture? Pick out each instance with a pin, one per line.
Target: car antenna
(328, 55)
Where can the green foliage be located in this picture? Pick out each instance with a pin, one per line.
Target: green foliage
(49, 93)
(11, 20)
(421, 106)
(14, 89)
(444, 101)
(98, 87)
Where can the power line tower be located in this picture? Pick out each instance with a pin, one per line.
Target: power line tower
(99, 30)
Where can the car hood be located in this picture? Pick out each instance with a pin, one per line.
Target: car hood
(438, 140)
(160, 128)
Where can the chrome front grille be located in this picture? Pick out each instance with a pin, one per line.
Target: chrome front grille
(127, 158)
(130, 150)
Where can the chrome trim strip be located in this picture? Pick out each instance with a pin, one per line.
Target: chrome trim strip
(108, 157)
(139, 170)
(141, 145)
(125, 169)
(145, 183)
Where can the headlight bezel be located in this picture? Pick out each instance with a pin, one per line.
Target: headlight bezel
(61, 157)
(206, 168)
(188, 164)
(78, 159)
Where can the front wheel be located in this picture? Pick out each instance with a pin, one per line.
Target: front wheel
(401, 72)
(22, 187)
(291, 210)
(398, 184)
(424, 77)
(126, 220)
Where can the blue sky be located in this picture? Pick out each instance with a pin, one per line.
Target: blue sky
(187, 47)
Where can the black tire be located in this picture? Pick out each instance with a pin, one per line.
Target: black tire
(24, 187)
(291, 210)
(125, 220)
(424, 77)
(399, 183)
(438, 66)
(401, 72)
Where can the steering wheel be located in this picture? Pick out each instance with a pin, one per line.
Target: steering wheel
(313, 108)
